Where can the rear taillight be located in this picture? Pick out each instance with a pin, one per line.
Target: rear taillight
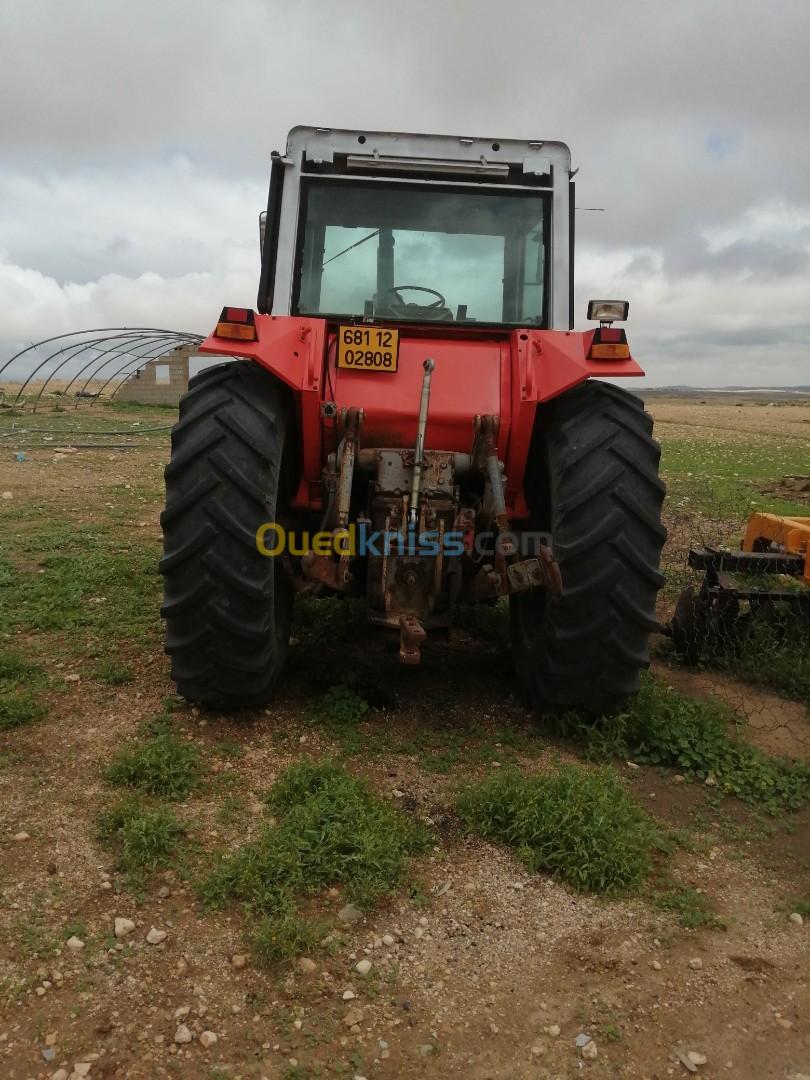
(609, 344)
(238, 324)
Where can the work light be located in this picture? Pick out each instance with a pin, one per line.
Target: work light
(608, 311)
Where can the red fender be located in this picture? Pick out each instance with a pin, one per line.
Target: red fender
(503, 373)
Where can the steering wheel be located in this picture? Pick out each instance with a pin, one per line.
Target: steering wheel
(395, 291)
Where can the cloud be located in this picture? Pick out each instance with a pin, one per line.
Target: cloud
(136, 150)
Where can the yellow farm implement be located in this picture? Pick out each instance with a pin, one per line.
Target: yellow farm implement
(770, 574)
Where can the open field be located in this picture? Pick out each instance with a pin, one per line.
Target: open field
(511, 884)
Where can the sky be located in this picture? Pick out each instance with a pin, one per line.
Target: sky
(135, 140)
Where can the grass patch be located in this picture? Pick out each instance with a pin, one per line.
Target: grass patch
(19, 680)
(340, 707)
(20, 708)
(161, 764)
(143, 839)
(692, 908)
(333, 829)
(284, 936)
(87, 580)
(114, 673)
(664, 727)
(775, 655)
(346, 715)
(487, 621)
(721, 477)
(579, 825)
(324, 621)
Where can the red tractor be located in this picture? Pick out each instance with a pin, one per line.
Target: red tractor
(411, 418)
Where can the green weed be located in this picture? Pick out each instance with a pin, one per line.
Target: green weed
(162, 764)
(284, 936)
(333, 829)
(340, 706)
(664, 727)
(144, 839)
(19, 708)
(487, 621)
(325, 621)
(692, 908)
(772, 654)
(19, 681)
(579, 825)
(114, 673)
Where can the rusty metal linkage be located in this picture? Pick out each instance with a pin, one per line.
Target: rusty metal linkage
(411, 636)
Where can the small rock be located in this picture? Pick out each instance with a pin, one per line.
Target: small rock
(631, 765)
(182, 966)
(589, 1050)
(794, 916)
(8, 494)
(389, 939)
(156, 937)
(164, 891)
(21, 837)
(73, 678)
(75, 943)
(582, 1039)
(82, 1068)
(60, 1074)
(106, 885)
(696, 1058)
(553, 1030)
(783, 1022)
(349, 995)
(696, 963)
(239, 960)
(123, 927)
(350, 914)
(48, 1053)
(306, 966)
(426, 1049)
(656, 965)
(353, 1016)
(182, 1012)
(537, 1050)
(183, 1035)
(208, 1038)
(710, 781)
(363, 967)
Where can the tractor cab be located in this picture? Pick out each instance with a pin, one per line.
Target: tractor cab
(419, 228)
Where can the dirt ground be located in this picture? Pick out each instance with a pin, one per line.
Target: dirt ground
(485, 971)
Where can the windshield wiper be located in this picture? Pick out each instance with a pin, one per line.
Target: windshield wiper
(350, 247)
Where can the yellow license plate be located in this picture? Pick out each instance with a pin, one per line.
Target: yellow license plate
(368, 348)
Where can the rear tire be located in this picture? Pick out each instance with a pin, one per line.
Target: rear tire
(592, 482)
(227, 607)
